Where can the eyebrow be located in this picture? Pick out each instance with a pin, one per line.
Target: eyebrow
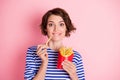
(53, 21)
(62, 21)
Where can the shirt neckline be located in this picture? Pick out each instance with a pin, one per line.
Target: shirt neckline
(52, 49)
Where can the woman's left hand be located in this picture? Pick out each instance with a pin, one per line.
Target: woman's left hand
(69, 67)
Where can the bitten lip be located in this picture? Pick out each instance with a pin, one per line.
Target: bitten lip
(56, 34)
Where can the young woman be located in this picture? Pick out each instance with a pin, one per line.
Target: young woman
(41, 60)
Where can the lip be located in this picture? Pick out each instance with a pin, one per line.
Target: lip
(56, 34)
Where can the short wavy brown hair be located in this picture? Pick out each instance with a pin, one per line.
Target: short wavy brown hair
(59, 12)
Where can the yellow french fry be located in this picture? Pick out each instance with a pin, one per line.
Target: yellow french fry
(66, 51)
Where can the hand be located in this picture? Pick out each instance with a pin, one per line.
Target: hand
(69, 67)
(42, 52)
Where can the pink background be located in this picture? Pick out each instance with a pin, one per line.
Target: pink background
(97, 37)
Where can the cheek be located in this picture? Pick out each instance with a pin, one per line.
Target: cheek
(49, 30)
(63, 29)
(64, 33)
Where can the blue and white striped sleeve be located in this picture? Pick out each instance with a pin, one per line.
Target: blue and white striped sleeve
(79, 65)
(29, 68)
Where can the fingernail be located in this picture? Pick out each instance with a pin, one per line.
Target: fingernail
(65, 60)
(62, 63)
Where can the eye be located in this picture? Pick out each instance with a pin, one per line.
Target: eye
(50, 24)
(62, 24)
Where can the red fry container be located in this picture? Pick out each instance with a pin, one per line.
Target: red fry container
(62, 58)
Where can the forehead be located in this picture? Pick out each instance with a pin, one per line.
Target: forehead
(55, 18)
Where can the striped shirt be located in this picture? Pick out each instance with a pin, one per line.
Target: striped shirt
(33, 63)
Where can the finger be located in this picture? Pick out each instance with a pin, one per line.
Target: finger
(68, 63)
(71, 63)
(42, 52)
(38, 48)
(66, 68)
(41, 48)
(69, 66)
(46, 54)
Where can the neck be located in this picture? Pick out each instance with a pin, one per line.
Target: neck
(55, 45)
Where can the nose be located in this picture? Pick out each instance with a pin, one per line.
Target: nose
(55, 28)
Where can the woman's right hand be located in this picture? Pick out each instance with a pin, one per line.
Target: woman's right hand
(42, 53)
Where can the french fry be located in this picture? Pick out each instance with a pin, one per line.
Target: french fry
(64, 53)
(48, 41)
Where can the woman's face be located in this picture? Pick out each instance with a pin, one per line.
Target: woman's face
(56, 27)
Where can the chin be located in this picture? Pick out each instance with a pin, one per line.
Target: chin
(57, 39)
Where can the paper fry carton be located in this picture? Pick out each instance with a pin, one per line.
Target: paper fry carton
(64, 54)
